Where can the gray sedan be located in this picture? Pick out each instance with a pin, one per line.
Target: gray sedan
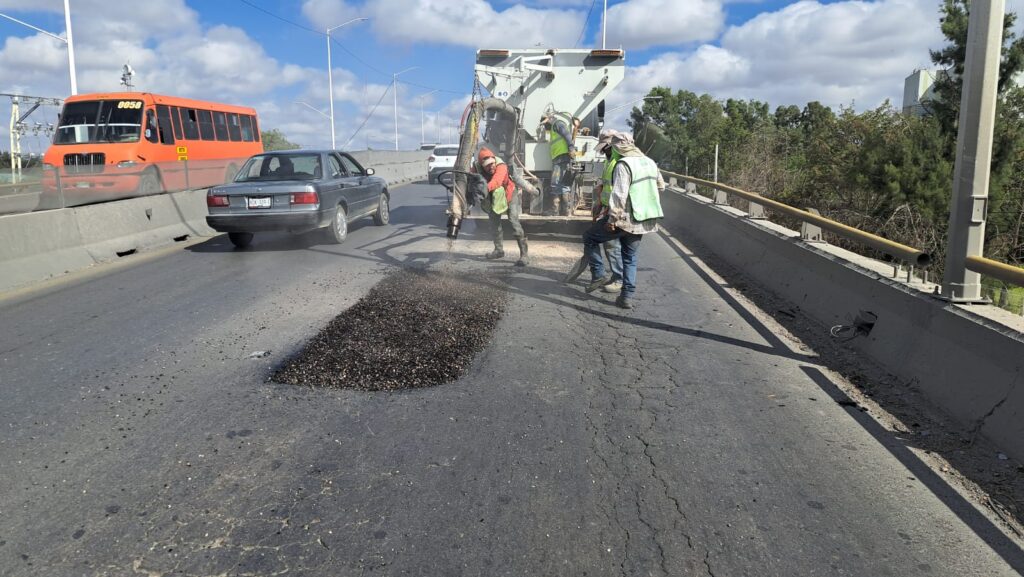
(297, 191)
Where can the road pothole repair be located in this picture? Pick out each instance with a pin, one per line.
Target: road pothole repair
(414, 329)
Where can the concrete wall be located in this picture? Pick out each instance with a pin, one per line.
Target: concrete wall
(397, 167)
(40, 245)
(965, 363)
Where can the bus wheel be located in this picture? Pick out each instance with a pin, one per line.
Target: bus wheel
(149, 184)
(240, 239)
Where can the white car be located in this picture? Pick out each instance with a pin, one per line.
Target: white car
(441, 159)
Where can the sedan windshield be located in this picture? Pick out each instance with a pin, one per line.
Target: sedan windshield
(100, 121)
(297, 166)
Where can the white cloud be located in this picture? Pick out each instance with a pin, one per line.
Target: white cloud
(322, 14)
(637, 24)
(473, 23)
(840, 54)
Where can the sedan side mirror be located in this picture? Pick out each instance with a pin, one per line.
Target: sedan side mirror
(370, 172)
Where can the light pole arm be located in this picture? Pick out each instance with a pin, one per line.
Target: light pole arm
(40, 30)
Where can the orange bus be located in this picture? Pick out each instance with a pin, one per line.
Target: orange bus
(123, 144)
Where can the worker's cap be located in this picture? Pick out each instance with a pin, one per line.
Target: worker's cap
(610, 137)
(485, 157)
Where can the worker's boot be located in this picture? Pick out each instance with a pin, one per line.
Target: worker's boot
(524, 253)
(556, 203)
(495, 254)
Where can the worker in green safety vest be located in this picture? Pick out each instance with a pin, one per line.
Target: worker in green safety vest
(562, 129)
(633, 210)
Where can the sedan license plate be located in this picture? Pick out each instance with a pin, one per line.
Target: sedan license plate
(260, 201)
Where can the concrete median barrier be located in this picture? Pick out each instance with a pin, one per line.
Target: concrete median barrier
(963, 361)
(40, 245)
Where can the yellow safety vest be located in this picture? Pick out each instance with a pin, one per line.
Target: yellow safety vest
(558, 144)
(606, 178)
(643, 191)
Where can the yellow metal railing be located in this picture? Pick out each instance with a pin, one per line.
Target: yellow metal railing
(997, 270)
(913, 256)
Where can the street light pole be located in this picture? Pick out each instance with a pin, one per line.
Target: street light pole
(71, 47)
(423, 136)
(68, 41)
(394, 81)
(330, 73)
(972, 170)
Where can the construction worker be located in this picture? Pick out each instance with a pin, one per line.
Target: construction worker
(562, 129)
(612, 248)
(634, 207)
(503, 197)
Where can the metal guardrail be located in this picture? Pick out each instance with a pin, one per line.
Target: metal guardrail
(997, 270)
(907, 254)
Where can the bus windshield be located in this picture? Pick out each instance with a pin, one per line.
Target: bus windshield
(93, 121)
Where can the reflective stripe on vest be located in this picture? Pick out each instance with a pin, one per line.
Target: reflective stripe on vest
(643, 191)
(558, 144)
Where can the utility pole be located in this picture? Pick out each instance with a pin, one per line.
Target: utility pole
(71, 48)
(972, 171)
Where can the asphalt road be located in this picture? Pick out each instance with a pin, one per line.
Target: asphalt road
(141, 437)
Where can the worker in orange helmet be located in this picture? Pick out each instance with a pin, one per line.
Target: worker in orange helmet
(503, 197)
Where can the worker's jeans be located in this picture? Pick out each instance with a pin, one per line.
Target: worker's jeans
(613, 254)
(515, 206)
(561, 176)
(595, 236)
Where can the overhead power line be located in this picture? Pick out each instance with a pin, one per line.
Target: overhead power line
(339, 44)
(367, 119)
(585, 22)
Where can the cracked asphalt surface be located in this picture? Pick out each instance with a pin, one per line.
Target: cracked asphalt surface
(142, 435)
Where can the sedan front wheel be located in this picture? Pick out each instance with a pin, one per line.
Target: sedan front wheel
(339, 225)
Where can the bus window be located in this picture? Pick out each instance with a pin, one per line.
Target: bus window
(151, 129)
(234, 130)
(206, 125)
(220, 123)
(246, 127)
(176, 123)
(190, 123)
(163, 122)
(255, 130)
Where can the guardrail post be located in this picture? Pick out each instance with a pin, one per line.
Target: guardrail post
(971, 172)
(755, 211)
(810, 232)
(691, 188)
(721, 197)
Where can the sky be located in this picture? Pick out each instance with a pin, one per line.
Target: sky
(272, 54)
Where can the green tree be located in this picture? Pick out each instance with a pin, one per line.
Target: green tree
(274, 140)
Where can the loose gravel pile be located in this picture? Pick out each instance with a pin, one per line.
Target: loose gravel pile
(414, 329)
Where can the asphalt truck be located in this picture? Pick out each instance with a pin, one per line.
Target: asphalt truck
(522, 86)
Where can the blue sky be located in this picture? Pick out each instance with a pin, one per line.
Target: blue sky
(840, 53)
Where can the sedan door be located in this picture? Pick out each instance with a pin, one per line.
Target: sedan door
(367, 192)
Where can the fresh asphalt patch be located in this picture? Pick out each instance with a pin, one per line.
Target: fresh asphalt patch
(416, 328)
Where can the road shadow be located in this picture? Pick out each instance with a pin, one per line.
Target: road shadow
(927, 429)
